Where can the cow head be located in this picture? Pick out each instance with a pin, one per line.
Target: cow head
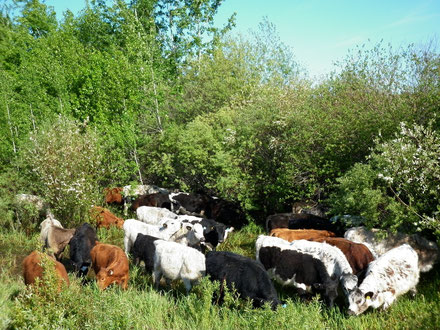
(330, 289)
(105, 277)
(195, 233)
(119, 223)
(359, 301)
(171, 226)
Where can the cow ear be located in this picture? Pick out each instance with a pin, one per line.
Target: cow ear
(369, 295)
(188, 227)
(110, 272)
(164, 225)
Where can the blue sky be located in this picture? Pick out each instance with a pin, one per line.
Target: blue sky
(322, 31)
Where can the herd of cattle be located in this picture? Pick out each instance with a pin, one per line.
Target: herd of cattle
(175, 236)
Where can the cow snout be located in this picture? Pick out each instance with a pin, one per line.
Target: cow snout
(350, 312)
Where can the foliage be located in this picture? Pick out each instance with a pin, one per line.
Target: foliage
(398, 187)
(63, 160)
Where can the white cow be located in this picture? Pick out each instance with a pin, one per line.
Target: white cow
(388, 277)
(175, 261)
(427, 251)
(154, 215)
(45, 225)
(133, 227)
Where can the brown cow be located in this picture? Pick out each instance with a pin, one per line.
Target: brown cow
(104, 218)
(110, 264)
(296, 234)
(57, 240)
(113, 195)
(358, 255)
(32, 269)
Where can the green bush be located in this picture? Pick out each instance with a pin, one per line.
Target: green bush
(398, 187)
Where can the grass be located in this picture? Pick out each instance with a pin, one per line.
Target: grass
(141, 306)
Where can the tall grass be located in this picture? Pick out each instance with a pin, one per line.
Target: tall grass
(141, 306)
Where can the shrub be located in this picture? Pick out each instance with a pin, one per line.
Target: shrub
(398, 187)
(63, 160)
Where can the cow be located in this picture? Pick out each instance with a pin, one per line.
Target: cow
(173, 230)
(296, 234)
(247, 276)
(44, 228)
(191, 202)
(131, 193)
(154, 215)
(388, 277)
(290, 267)
(156, 200)
(144, 250)
(358, 255)
(57, 239)
(380, 242)
(334, 260)
(104, 218)
(133, 227)
(81, 244)
(33, 268)
(176, 261)
(301, 221)
(114, 195)
(226, 212)
(110, 265)
(214, 232)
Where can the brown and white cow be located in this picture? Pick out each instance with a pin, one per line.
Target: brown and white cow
(32, 269)
(388, 277)
(104, 218)
(296, 234)
(110, 265)
(358, 255)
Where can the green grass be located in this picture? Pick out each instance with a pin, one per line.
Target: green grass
(141, 306)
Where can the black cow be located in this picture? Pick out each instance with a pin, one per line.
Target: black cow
(249, 277)
(81, 244)
(192, 203)
(303, 270)
(301, 221)
(226, 212)
(143, 250)
(156, 200)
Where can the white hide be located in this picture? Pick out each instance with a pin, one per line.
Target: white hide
(175, 261)
(45, 225)
(388, 277)
(133, 227)
(188, 234)
(427, 251)
(333, 259)
(154, 215)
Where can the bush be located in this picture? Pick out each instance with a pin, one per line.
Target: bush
(63, 161)
(398, 187)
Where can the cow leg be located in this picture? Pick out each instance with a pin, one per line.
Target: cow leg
(388, 300)
(156, 278)
(187, 284)
(413, 292)
(127, 245)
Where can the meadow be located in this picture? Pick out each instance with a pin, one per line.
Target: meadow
(141, 306)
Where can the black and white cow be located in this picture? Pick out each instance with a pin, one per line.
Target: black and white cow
(248, 276)
(81, 244)
(290, 267)
(144, 250)
(337, 266)
(388, 277)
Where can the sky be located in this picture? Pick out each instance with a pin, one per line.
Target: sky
(321, 32)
